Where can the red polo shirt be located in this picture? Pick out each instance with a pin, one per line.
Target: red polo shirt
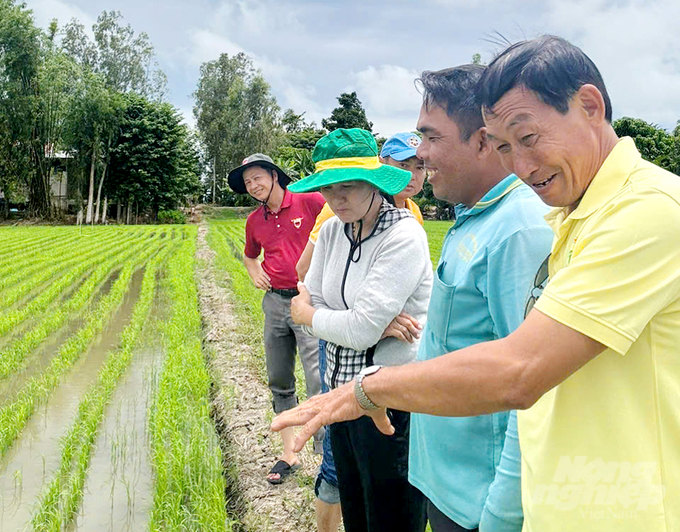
(283, 235)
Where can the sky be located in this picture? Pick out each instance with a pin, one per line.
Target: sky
(311, 51)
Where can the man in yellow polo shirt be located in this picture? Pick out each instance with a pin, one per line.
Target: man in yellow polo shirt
(596, 363)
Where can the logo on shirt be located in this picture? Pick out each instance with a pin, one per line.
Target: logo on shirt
(297, 222)
(467, 248)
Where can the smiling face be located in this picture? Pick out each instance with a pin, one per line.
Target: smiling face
(555, 154)
(417, 168)
(451, 163)
(258, 182)
(350, 200)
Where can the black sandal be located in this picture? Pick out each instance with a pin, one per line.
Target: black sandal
(283, 469)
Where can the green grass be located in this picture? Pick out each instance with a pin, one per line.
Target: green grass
(436, 231)
(186, 457)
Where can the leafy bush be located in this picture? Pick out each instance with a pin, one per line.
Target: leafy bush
(171, 217)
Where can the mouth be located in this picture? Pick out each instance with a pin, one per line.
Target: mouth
(543, 184)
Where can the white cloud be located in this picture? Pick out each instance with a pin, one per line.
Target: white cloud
(205, 45)
(310, 51)
(389, 96)
(46, 10)
(289, 83)
(188, 116)
(634, 45)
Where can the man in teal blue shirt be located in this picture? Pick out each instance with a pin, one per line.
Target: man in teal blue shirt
(469, 467)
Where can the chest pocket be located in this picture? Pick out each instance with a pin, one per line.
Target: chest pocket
(441, 304)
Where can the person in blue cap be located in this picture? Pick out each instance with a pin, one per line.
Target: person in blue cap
(400, 151)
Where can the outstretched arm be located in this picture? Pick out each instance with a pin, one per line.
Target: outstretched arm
(505, 374)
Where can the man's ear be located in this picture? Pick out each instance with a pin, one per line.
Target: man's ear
(381, 159)
(482, 145)
(590, 100)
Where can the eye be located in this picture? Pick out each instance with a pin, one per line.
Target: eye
(527, 139)
(503, 148)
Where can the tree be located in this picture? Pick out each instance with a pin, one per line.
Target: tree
(300, 134)
(652, 141)
(19, 62)
(58, 81)
(350, 113)
(236, 114)
(155, 163)
(292, 122)
(126, 62)
(92, 123)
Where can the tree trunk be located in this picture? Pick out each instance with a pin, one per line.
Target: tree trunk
(136, 213)
(99, 194)
(118, 209)
(129, 211)
(106, 205)
(214, 179)
(90, 194)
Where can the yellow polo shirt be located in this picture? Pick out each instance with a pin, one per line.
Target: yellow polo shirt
(327, 213)
(601, 451)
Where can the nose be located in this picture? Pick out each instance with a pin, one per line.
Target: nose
(421, 151)
(522, 164)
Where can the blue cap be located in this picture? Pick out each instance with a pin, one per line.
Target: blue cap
(401, 146)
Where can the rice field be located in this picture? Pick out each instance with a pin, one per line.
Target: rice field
(104, 391)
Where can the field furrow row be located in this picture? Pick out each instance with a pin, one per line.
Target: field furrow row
(13, 417)
(12, 355)
(50, 270)
(186, 457)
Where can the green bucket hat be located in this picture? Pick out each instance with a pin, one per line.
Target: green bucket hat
(351, 155)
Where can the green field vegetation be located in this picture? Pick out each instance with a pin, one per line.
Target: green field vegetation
(63, 290)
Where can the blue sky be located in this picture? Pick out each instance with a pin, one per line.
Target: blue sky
(310, 51)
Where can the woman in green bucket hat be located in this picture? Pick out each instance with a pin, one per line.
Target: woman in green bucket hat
(370, 263)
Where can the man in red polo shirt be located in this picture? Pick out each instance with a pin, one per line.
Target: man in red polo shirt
(280, 227)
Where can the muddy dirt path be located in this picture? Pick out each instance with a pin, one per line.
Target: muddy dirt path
(242, 405)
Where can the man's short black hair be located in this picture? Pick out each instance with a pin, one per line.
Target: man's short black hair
(550, 66)
(453, 89)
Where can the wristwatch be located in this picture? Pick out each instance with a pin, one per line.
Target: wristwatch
(362, 398)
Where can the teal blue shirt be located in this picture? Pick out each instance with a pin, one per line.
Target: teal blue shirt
(469, 467)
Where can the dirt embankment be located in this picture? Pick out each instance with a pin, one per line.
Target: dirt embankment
(242, 408)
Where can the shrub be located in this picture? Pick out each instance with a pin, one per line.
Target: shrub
(171, 217)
